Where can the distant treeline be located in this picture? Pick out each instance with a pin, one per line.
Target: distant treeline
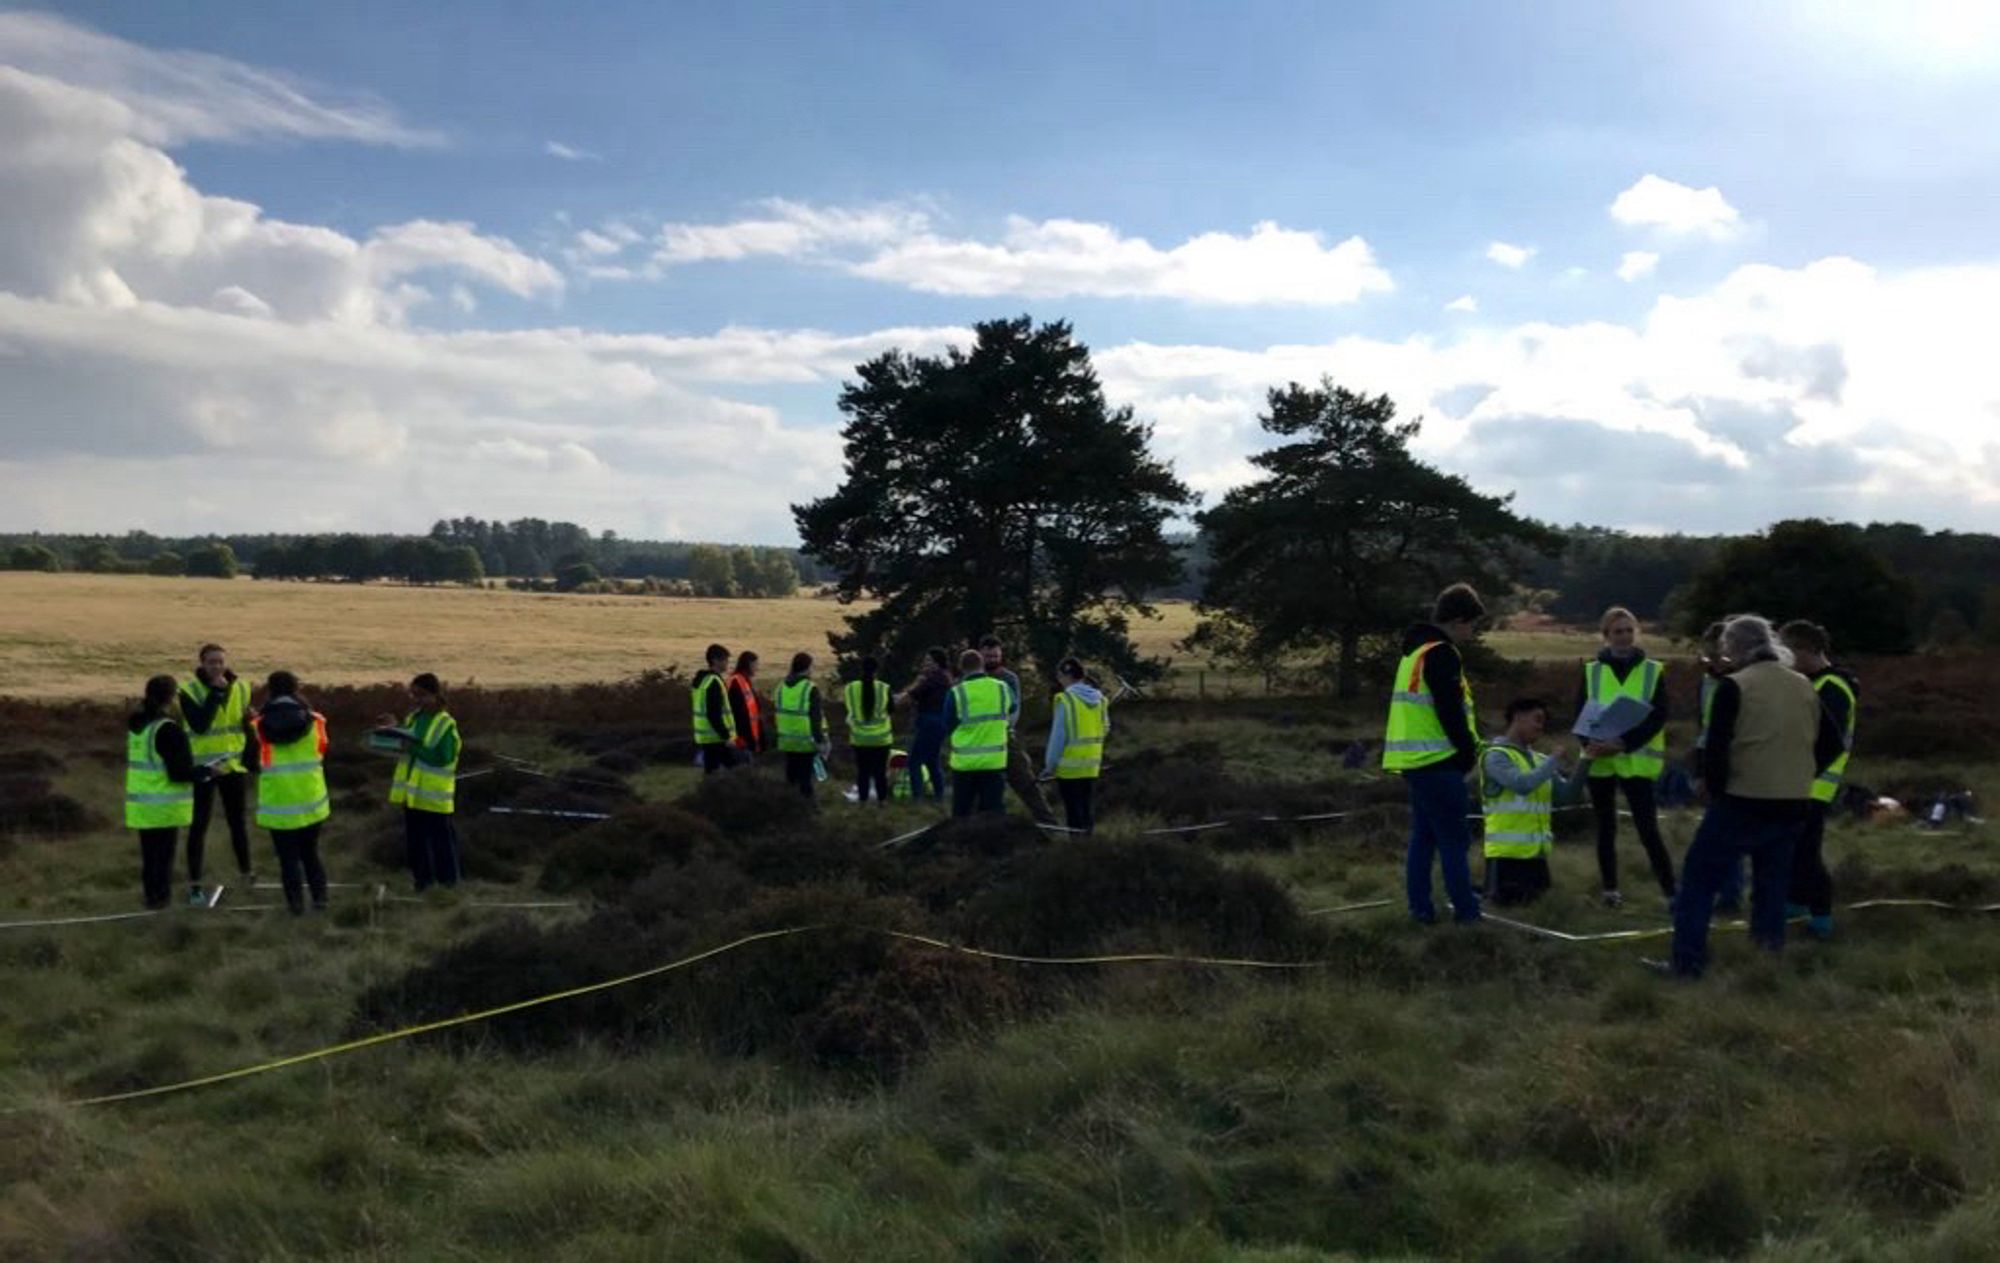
(460, 550)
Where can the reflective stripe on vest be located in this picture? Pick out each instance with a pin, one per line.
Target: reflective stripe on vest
(152, 799)
(424, 786)
(1083, 737)
(226, 732)
(795, 727)
(868, 733)
(291, 780)
(705, 733)
(1707, 705)
(1602, 686)
(1416, 737)
(979, 739)
(1517, 828)
(1826, 786)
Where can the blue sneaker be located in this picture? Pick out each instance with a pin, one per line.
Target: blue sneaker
(1820, 927)
(1793, 911)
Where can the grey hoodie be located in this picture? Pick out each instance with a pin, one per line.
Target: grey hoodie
(1058, 734)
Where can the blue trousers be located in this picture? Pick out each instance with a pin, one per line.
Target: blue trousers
(430, 842)
(925, 760)
(1732, 830)
(1439, 804)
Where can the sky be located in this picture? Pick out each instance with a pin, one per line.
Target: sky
(313, 267)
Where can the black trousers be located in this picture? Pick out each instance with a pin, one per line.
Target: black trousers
(1512, 882)
(156, 865)
(799, 771)
(299, 867)
(717, 758)
(1645, 820)
(978, 791)
(1812, 884)
(234, 789)
(430, 843)
(1078, 810)
(871, 770)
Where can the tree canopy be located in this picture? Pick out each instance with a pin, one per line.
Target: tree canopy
(992, 489)
(1810, 569)
(1347, 534)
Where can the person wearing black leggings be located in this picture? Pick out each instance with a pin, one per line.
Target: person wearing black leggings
(1632, 763)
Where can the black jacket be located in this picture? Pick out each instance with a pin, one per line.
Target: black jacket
(1834, 701)
(1648, 728)
(813, 709)
(1444, 675)
(172, 743)
(717, 701)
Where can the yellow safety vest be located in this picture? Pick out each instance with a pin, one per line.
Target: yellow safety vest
(225, 732)
(1518, 828)
(1603, 686)
(1084, 726)
(979, 741)
(868, 733)
(291, 779)
(1416, 737)
(795, 726)
(152, 800)
(704, 732)
(424, 786)
(1827, 786)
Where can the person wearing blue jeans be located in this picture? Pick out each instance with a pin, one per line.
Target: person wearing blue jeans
(1768, 739)
(927, 694)
(1432, 743)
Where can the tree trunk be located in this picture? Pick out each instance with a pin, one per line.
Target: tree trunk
(1347, 679)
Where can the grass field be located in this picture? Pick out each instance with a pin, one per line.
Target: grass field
(77, 635)
(1461, 1094)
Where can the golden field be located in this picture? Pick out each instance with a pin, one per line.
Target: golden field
(82, 635)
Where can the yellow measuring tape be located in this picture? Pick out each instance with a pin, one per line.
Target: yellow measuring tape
(463, 1019)
(1227, 962)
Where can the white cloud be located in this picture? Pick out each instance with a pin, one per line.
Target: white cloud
(1634, 264)
(898, 244)
(1059, 257)
(1464, 302)
(423, 244)
(569, 153)
(170, 96)
(1673, 208)
(1508, 255)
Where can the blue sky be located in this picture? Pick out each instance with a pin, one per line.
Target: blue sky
(1804, 195)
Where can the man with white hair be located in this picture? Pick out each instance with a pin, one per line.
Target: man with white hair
(1768, 740)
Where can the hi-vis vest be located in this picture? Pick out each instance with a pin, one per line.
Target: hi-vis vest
(1517, 828)
(1643, 682)
(795, 725)
(422, 786)
(225, 731)
(152, 801)
(1416, 736)
(979, 741)
(1827, 787)
(753, 711)
(1084, 725)
(704, 732)
(868, 733)
(291, 778)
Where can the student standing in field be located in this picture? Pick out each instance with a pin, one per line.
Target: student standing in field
(801, 725)
(745, 709)
(870, 730)
(977, 715)
(1432, 742)
(1768, 740)
(1020, 768)
(1729, 897)
(292, 800)
(1518, 792)
(714, 724)
(928, 696)
(1840, 696)
(160, 781)
(1078, 726)
(1631, 764)
(215, 706)
(426, 786)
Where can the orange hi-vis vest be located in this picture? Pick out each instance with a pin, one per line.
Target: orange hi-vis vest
(753, 739)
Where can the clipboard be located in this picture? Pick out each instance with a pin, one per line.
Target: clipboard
(389, 741)
(1602, 721)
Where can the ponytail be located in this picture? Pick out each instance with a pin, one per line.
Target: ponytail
(868, 668)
